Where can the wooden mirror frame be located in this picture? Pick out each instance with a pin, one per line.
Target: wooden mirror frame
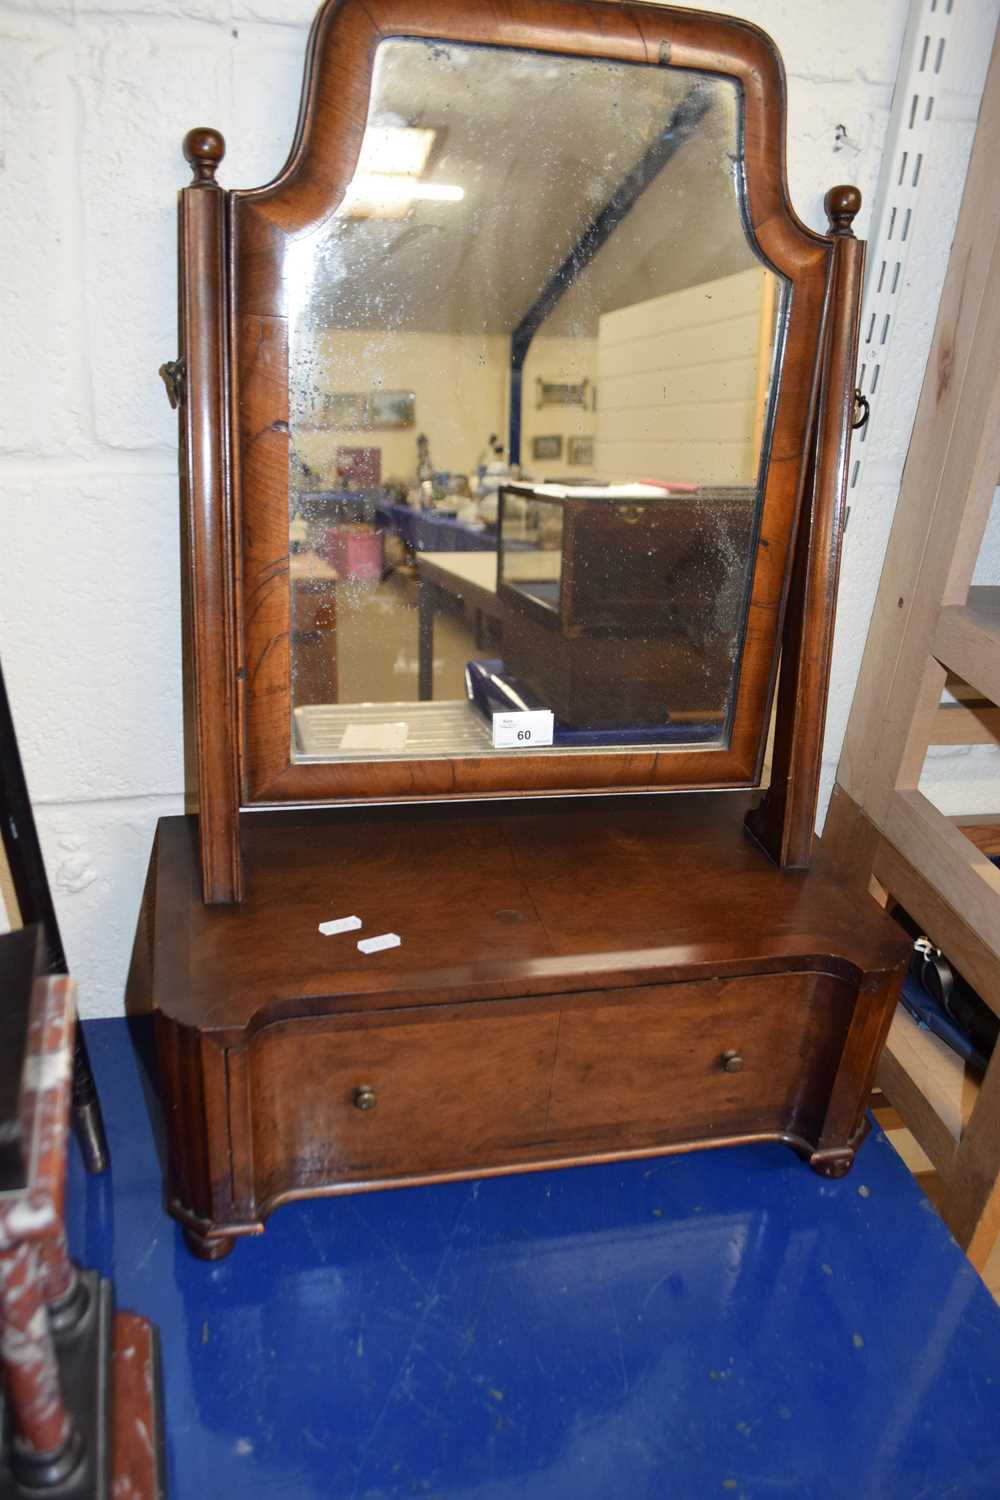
(232, 382)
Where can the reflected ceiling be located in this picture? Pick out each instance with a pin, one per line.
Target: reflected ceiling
(476, 265)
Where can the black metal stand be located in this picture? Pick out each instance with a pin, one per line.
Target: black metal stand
(34, 899)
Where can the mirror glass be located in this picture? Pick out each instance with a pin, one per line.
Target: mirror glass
(532, 359)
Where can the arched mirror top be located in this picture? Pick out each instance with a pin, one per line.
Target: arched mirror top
(529, 291)
(346, 35)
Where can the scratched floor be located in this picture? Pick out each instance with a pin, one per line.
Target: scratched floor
(724, 1324)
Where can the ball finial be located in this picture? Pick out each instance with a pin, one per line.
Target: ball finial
(842, 204)
(204, 148)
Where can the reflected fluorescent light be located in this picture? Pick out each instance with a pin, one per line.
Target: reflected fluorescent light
(387, 178)
(398, 187)
(395, 149)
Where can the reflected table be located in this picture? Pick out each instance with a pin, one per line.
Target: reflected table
(723, 1323)
(471, 578)
(468, 576)
(427, 530)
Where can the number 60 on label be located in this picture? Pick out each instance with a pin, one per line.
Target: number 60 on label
(523, 731)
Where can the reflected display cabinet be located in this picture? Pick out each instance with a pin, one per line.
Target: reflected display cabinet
(585, 572)
(609, 939)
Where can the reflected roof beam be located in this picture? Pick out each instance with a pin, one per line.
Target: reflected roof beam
(683, 123)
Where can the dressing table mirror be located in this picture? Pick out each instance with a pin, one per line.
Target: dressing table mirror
(515, 417)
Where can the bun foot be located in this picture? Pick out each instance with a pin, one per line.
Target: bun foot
(832, 1163)
(209, 1247)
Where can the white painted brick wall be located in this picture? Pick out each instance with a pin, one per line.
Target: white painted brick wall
(95, 98)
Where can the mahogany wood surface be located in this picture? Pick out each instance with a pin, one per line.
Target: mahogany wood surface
(265, 223)
(570, 979)
(208, 553)
(784, 821)
(495, 901)
(507, 1084)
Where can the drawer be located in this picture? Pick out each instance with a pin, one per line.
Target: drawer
(689, 1061)
(450, 1089)
(451, 1085)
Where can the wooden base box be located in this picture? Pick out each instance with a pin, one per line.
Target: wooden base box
(541, 1009)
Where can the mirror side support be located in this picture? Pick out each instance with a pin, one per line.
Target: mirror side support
(784, 820)
(210, 634)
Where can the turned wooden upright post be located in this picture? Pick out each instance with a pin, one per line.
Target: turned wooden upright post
(199, 384)
(783, 822)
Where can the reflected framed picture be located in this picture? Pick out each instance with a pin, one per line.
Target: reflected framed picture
(561, 393)
(360, 466)
(580, 450)
(367, 411)
(546, 447)
(387, 409)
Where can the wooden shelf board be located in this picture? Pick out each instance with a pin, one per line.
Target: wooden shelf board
(940, 921)
(905, 1144)
(991, 1272)
(929, 1085)
(963, 876)
(982, 829)
(976, 723)
(967, 640)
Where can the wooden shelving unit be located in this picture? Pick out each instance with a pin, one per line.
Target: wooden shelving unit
(933, 629)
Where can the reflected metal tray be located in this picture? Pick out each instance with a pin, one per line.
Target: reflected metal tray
(452, 727)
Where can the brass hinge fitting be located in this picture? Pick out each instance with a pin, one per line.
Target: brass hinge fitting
(172, 374)
(862, 411)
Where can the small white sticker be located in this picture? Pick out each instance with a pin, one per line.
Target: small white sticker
(522, 731)
(376, 944)
(341, 924)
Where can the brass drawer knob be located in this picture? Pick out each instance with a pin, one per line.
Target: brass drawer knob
(732, 1062)
(364, 1097)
